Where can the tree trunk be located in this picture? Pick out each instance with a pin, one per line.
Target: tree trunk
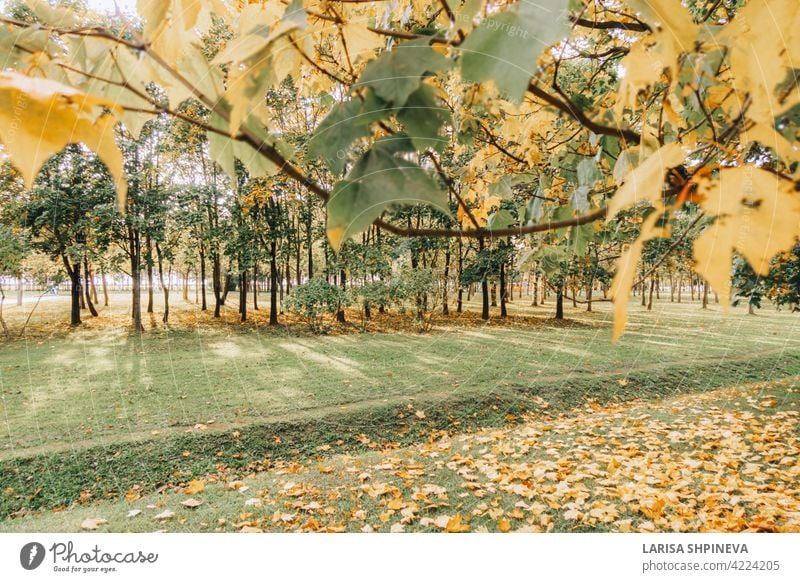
(650, 298)
(343, 281)
(494, 294)
(149, 246)
(535, 302)
(589, 292)
(680, 286)
(185, 288)
(93, 287)
(74, 272)
(216, 282)
(164, 285)
(503, 290)
(560, 302)
(310, 247)
(705, 295)
(273, 286)
(86, 287)
(204, 306)
(460, 301)
(105, 287)
(243, 295)
(445, 307)
(255, 286)
(19, 288)
(3, 324)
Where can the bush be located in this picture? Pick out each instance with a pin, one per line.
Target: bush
(375, 294)
(314, 299)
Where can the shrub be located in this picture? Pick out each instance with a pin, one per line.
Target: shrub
(312, 300)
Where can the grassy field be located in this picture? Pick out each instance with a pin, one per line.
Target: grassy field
(99, 411)
(707, 462)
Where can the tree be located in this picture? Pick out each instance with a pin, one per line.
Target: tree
(70, 212)
(439, 106)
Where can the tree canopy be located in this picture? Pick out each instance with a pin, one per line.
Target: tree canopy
(558, 123)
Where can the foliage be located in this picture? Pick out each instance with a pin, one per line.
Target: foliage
(314, 299)
(490, 119)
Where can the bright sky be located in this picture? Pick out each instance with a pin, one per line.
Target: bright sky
(108, 5)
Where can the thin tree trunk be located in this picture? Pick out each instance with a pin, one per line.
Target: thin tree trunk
(216, 282)
(19, 288)
(705, 295)
(185, 288)
(650, 298)
(74, 272)
(105, 287)
(3, 325)
(460, 304)
(503, 290)
(95, 300)
(445, 307)
(164, 285)
(589, 293)
(243, 295)
(273, 286)
(343, 281)
(87, 291)
(204, 306)
(149, 246)
(560, 302)
(255, 286)
(484, 289)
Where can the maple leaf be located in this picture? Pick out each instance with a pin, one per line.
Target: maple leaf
(40, 117)
(757, 214)
(194, 487)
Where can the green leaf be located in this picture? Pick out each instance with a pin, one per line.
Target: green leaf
(550, 259)
(378, 181)
(345, 123)
(225, 150)
(423, 116)
(504, 187)
(505, 48)
(396, 74)
(580, 237)
(588, 173)
(500, 219)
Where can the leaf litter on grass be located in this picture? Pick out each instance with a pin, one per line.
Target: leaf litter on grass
(725, 461)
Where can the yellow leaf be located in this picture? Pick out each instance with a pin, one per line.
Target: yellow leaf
(503, 525)
(646, 182)
(40, 117)
(455, 525)
(194, 486)
(627, 268)
(758, 214)
(360, 42)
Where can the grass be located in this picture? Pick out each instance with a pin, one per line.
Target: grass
(543, 474)
(98, 411)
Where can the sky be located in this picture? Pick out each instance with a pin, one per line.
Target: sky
(108, 5)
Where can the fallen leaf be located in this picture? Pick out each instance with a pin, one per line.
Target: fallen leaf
(194, 487)
(92, 523)
(164, 515)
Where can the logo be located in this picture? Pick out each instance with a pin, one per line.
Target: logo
(31, 555)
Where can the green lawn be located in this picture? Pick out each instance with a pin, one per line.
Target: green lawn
(696, 462)
(101, 409)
